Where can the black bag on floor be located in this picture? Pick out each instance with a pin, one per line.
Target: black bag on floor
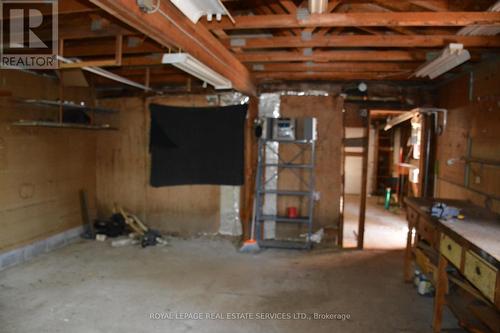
(113, 227)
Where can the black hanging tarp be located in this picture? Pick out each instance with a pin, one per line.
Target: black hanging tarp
(197, 145)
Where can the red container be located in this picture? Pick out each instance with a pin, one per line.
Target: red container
(292, 212)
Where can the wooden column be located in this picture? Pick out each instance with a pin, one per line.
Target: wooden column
(247, 193)
(340, 232)
(364, 185)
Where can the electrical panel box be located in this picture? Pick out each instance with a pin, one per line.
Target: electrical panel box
(283, 129)
(290, 129)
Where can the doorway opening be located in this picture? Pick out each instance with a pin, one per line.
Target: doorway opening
(380, 169)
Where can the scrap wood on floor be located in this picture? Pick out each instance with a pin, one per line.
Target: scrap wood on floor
(123, 223)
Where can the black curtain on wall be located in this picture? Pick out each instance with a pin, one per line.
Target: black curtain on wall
(197, 145)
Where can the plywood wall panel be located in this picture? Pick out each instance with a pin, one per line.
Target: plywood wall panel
(328, 161)
(41, 170)
(473, 132)
(452, 145)
(121, 160)
(41, 175)
(123, 167)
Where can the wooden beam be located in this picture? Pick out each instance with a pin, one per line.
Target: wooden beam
(332, 6)
(106, 47)
(153, 80)
(337, 67)
(436, 5)
(81, 27)
(75, 7)
(162, 70)
(289, 6)
(117, 61)
(170, 28)
(138, 61)
(368, 41)
(90, 63)
(326, 56)
(398, 6)
(250, 160)
(378, 19)
(304, 76)
(278, 9)
(364, 186)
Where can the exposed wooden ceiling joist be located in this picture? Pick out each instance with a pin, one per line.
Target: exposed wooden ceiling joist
(329, 76)
(368, 41)
(353, 40)
(74, 6)
(436, 5)
(324, 56)
(376, 19)
(170, 28)
(337, 67)
(106, 47)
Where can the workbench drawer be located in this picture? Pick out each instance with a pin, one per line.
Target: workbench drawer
(451, 250)
(481, 274)
(427, 231)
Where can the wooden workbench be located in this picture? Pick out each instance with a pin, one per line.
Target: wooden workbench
(465, 252)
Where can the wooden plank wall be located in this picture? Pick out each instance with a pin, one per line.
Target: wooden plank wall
(328, 111)
(41, 169)
(473, 101)
(123, 165)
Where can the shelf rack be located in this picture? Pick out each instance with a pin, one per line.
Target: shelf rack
(261, 192)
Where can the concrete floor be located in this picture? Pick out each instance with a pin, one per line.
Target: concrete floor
(91, 287)
(383, 229)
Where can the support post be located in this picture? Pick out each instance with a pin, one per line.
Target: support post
(439, 299)
(364, 185)
(247, 193)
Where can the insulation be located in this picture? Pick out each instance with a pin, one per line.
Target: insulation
(269, 106)
(230, 222)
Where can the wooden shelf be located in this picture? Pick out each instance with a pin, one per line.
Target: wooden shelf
(51, 124)
(462, 304)
(66, 105)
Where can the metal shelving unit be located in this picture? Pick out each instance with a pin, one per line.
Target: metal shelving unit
(261, 192)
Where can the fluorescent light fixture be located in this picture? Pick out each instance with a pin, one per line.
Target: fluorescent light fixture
(188, 64)
(317, 6)
(195, 9)
(482, 30)
(452, 56)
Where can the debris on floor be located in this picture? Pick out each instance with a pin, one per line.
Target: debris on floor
(423, 284)
(125, 241)
(126, 224)
(317, 236)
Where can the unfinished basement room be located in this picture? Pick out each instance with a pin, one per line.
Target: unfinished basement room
(249, 166)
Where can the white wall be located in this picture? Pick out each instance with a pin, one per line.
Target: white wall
(353, 164)
(371, 160)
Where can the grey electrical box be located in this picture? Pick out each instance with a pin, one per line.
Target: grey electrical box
(290, 129)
